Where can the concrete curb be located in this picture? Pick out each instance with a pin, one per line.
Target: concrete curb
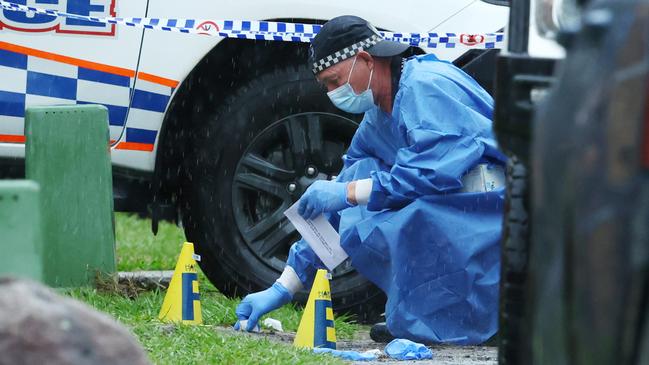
(148, 280)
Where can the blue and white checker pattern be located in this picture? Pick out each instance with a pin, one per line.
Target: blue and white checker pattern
(146, 113)
(344, 54)
(29, 80)
(444, 40)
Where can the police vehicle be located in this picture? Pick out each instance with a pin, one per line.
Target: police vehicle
(572, 114)
(224, 134)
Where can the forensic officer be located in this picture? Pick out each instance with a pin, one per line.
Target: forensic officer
(418, 204)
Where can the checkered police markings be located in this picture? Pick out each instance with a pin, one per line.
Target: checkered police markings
(262, 30)
(40, 78)
(344, 54)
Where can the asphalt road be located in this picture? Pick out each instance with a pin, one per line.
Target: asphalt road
(450, 355)
(442, 354)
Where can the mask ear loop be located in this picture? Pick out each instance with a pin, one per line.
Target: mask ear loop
(349, 77)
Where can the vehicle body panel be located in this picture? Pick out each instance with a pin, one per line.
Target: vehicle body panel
(135, 72)
(87, 66)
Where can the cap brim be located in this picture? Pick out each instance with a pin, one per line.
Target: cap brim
(387, 48)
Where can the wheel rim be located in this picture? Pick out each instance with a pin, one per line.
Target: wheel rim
(276, 168)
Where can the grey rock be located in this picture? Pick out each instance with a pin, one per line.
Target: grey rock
(38, 326)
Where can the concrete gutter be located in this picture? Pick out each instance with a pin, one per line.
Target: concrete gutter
(148, 280)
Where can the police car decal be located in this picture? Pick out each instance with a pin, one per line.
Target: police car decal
(35, 22)
(50, 78)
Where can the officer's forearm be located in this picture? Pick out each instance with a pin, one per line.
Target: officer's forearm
(351, 193)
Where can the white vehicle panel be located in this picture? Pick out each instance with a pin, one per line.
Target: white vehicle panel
(137, 84)
(483, 18)
(119, 50)
(540, 46)
(13, 150)
(59, 52)
(413, 16)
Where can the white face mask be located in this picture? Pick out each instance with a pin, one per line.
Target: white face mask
(345, 98)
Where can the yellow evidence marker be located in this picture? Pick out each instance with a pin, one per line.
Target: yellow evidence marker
(317, 324)
(183, 302)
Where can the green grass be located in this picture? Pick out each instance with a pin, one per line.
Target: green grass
(194, 344)
(138, 249)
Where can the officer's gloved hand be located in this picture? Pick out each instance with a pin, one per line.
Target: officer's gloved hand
(322, 197)
(255, 305)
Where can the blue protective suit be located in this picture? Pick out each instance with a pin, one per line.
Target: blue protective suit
(433, 250)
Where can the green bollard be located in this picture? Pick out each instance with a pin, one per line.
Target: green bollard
(67, 153)
(20, 230)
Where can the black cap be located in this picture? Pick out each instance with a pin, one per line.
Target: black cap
(343, 37)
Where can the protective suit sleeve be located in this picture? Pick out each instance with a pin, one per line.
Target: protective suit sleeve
(441, 143)
(304, 262)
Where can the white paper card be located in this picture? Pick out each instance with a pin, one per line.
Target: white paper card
(320, 235)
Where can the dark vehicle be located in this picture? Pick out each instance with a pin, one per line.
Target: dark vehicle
(575, 259)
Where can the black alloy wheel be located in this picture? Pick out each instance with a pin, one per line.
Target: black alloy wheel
(276, 169)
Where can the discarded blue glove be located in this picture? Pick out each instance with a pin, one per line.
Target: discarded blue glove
(346, 355)
(323, 197)
(402, 349)
(255, 305)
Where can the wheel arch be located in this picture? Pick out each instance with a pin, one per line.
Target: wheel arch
(202, 91)
(229, 63)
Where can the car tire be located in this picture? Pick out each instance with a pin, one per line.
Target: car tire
(512, 340)
(247, 165)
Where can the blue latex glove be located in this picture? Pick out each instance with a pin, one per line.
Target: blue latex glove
(402, 349)
(322, 197)
(255, 305)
